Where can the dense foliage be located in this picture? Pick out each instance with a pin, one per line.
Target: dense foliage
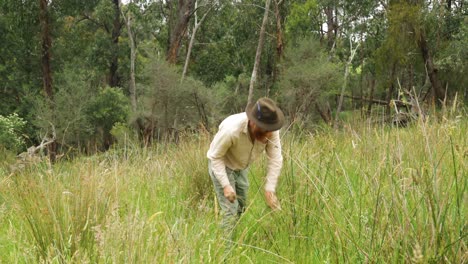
(11, 132)
(141, 83)
(57, 56)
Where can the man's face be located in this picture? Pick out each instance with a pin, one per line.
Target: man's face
(259, 134)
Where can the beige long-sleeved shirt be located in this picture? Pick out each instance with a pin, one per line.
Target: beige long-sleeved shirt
(233, 148)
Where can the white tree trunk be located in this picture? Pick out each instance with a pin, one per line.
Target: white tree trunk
(192, 39)
(261, 40)
(343, 88)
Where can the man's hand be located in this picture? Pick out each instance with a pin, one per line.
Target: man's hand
(272, 201)
(229, 193)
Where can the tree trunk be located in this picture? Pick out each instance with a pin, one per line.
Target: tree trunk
(371, 96)
(46, 50)
(46, 40)
(348, 64)
(184, 11)
(361, 83)
(192, 38)
(391, 89)
(437, 89)
(279, 40)
(411, 78)
(201, 111)
(258, 55)
(131, 39)
(324, 114)
(114, 79)
(331, 26)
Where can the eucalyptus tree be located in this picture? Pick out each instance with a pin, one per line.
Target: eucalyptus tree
(409, 50)
(226, 46)
(180, 13)
(258, 54)
(197, 23)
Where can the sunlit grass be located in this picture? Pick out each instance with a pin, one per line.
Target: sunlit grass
(363, 194)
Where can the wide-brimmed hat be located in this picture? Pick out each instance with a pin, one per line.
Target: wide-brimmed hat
(265, 114)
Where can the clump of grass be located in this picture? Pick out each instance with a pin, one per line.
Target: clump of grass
(362, 194)
(365, 194)
(57, 209)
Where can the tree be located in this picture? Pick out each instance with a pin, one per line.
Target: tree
(114, 78)
(46, 41)
(103, 19)
(178, 23)
(261, 40)
(437, 90)
(309, 80)
(194, 32)
(109, 107)
(280, 40)
(169, 105)
(132, 42)
(348, 65)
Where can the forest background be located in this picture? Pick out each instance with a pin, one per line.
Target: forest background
(107, 108)
(74, 70)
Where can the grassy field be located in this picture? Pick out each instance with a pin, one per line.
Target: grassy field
(363, 194)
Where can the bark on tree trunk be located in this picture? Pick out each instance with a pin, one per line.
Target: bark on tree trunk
(279, 40)
(46, 50)
(258, 54)
(201, 112)
(184, 11)
(114, 79)
(331, 26)
(279, 30)
(46, 70)
(437, 89)
(324, 114)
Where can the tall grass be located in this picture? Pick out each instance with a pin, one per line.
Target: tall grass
(363, 194)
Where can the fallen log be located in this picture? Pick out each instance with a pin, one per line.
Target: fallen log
(377, 101)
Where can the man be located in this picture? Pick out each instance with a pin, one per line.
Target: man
(242, 138)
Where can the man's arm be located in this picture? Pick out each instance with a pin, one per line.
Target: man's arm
(275, 163)
(218, 148)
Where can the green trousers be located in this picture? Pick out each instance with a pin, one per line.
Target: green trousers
(231, 211)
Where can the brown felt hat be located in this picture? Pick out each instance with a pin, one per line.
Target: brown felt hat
(265, 114)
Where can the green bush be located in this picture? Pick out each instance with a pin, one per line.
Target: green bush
(67, 119)
(231, 94)
(169, 105)
(107, 108)
(123, 134)
(10, 132)
(309, 77)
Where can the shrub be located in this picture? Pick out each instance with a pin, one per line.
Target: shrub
(107, 108)
(169, 105)
(309, 78)
(10, 132)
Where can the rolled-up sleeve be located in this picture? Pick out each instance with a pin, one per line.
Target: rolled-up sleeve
(218, 148)
(275, 161)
